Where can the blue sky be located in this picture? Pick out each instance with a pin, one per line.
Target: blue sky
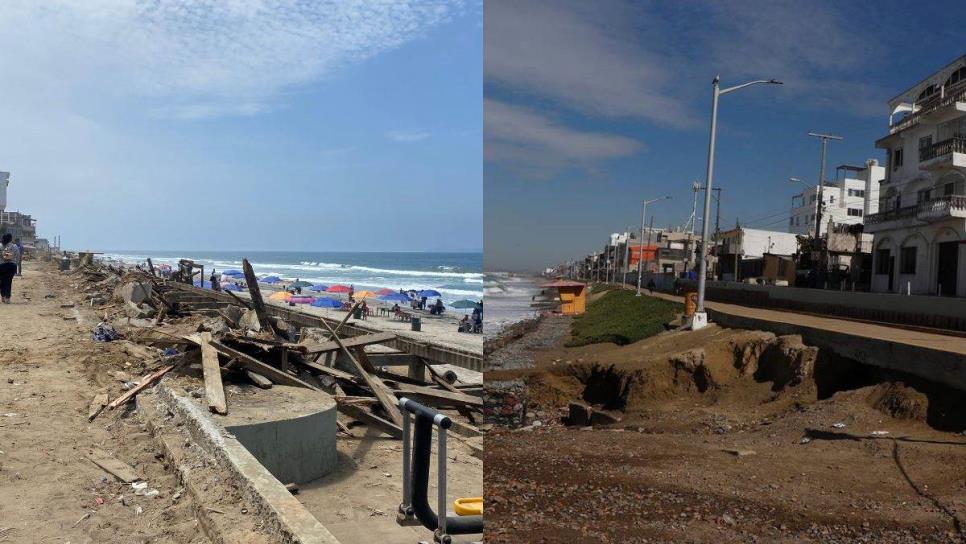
(252, 124)
(590, 108)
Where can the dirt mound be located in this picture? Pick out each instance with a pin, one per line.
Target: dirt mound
(900, 401)
(549, 391)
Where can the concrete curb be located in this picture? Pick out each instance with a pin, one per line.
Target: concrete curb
(273, 504)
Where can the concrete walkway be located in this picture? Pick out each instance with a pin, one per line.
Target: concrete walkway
(939, 342)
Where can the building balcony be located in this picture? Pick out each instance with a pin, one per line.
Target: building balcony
(950, 152)
(934, 109)
(937, 209)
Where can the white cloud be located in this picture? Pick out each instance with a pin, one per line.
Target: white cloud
(581, 57)
(407, 135)
(197, 58)
(540, 144)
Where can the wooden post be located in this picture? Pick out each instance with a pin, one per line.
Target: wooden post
(257, 303)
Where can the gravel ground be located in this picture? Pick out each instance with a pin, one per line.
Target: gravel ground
(550, 332)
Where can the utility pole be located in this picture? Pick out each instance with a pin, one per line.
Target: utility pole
(627, 252)
(817, 264)
(640, 256)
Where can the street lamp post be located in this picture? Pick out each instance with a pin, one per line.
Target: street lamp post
(640, 255)
(700, 319)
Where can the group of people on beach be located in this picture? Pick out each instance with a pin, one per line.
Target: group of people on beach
(476, 323)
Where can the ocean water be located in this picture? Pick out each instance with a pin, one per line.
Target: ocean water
(507, 300)
(455, 275)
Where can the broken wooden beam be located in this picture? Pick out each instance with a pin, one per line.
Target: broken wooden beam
(121, 471)
(247, 361)
(146, 382)
(351, 342)
(370, 419)
(214, 389)
(258, 379)
(257, 303)
(97, 405)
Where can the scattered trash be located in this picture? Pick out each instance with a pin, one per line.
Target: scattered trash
(141, 488)
(169, 352)
(879, 433)
(138, 510)
(104, 332)
(839, 425)
(805, 440)
(98, 501)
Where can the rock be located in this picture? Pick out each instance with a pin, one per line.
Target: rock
(249, 321)
(579, 414)
(215, 325)
(603, 418)
(689, 360)
(136, 292)
(505, 403)
(233, 315)
(138, 311)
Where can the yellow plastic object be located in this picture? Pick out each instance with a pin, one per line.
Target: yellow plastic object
(469, 506)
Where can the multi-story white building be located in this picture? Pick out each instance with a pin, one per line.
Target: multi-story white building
(919, 233)
(849, 198)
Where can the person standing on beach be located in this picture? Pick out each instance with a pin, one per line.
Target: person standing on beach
(215, 284)
(9, 257)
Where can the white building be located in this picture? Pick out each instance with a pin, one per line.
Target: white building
(849, 198)
(920, 231)
(742, 243)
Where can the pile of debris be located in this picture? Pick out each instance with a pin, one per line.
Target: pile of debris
(240, 340)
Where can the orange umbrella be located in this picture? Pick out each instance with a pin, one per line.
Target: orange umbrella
(359, 295)
(280, 295)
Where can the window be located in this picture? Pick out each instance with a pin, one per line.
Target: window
(882, 261)
(857, 192)
(949, 189)
(896, 158)
(923, 195)
(812, 199)
(956, 77)
(907, 258)
(926, 93)
(855, 212)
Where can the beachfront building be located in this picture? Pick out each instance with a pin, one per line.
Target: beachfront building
(739, 244)
(848, 199)
(919, 244)
(20, 225)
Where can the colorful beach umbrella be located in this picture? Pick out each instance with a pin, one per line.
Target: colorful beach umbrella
(301, 300)
(338, 289)
(359, 295)
(386, 291)
(318, 288)
(204, 285)
(270, 279)
(395, 297)
(230, 287)
(323, 302)
(428, 293)
(465, 303)
(280, 295)
(301, 283)
(234, 272)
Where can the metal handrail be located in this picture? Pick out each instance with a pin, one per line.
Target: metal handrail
(956, 93)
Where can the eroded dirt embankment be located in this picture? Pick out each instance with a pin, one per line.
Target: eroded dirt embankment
(728, 435)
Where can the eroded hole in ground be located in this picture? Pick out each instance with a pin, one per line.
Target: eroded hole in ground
(605, 386)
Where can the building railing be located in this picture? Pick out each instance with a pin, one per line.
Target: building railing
(945, 147)
(934, 208)
(955, 93)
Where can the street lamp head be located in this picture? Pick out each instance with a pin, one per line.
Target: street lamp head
(795, 180)
(775, 82)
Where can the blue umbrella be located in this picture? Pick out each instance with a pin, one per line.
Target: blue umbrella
(234, 273)
(230, 287)
(270, 279)
(318, 287)
(395, 297)
(323, 302)
(428, 293)
(465, 303)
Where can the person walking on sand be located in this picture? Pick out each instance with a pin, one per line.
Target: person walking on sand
(9, 257)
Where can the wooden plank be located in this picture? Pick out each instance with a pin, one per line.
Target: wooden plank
(122, 471)
(334, 372)
(98, 404)
(439, 396)
(351, 342)
(258, 379)
(214, 390)
(370, 419)
(383, 393)
(256, 295)
(247, 361)
(146, 382)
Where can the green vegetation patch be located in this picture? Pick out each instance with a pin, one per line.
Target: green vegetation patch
(622, 318)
